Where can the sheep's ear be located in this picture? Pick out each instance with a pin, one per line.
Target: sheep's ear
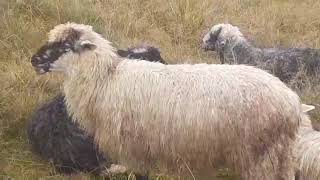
(307, 108)
(216, 32)
(85, 45)
(123, 53)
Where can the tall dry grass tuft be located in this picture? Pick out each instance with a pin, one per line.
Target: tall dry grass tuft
(175, 26)
(24, 25)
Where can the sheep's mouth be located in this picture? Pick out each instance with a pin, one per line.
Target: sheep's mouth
(42, 68)
(45, 66)
(207, 47)
(41, 63)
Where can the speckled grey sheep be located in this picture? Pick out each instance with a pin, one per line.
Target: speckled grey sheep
(297, 67)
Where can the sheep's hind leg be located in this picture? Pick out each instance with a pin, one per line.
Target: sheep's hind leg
(277, 164)
(287, 162)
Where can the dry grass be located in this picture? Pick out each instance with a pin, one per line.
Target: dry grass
(173, 25)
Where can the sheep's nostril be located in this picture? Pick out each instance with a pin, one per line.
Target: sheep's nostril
(35, 60)
(40, 71)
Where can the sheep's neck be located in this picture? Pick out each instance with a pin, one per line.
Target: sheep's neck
(242, 53)
(82, 89)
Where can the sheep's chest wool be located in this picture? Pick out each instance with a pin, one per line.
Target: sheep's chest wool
(174, 118)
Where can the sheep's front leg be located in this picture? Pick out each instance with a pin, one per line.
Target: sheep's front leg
(221, 57)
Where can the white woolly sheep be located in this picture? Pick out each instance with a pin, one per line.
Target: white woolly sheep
(290, 65)
(55, 137)
(159, 117)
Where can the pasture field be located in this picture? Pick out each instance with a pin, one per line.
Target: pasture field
(175, 26)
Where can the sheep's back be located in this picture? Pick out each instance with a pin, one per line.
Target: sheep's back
(149, 112)
(289, 64)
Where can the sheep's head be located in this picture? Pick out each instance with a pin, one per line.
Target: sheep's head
(143, 52)
(219, 35)
(65, 42)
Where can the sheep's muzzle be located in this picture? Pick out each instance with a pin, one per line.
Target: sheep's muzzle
(207, 47)
(208, 42)
(47, 54)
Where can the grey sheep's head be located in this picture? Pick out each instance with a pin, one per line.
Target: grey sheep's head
(221, 36)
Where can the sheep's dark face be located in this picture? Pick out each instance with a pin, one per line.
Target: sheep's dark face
(49, 53)
(209, 41)
(148, 53)
(44, 59)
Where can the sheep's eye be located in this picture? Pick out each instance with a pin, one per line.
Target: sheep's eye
(87, 46)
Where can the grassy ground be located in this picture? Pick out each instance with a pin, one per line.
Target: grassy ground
(175, 26)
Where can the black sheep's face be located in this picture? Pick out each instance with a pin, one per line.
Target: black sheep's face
(49, 53)
(149, 53)
(46, 58)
